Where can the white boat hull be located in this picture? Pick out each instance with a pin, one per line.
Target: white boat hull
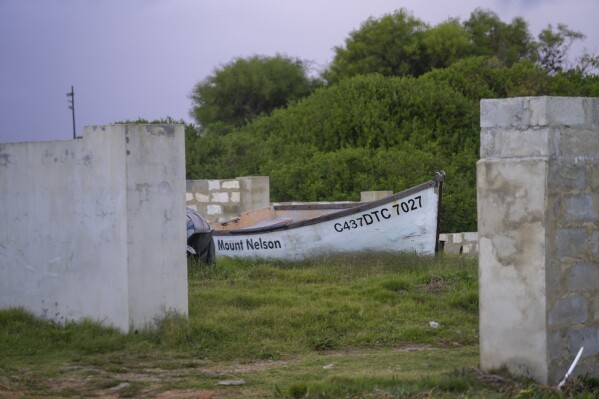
(405, 222)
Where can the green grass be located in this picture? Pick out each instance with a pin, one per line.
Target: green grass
(345, 326)
(268, 310)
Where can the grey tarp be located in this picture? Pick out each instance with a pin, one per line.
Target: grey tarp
(199, 237)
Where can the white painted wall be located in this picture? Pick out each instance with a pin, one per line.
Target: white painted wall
(75, 240)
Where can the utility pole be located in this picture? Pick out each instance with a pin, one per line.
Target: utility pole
(71, 94)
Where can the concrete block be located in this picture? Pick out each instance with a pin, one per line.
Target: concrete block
(450, 248)
(587, 337)
(579, 144)
(524, 112)
(513, 143)
(231, 185)
(570, 242)
(194, 186)
(188, 197)
(202, 197)
(501, 113)
(583, 276)
(581, 208)
(213, 185)
(566, 111)
(570, 310)
(567, 176)
(235, 196)
(220, 197)
(470, 237)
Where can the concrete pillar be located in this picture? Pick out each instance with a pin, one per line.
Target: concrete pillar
(156, 243)
(538, 227)
(254, 192)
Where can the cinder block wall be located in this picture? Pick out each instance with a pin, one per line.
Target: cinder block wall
(95, 227)
(460, 243)
(538, 226)
(225, 199)
(222, 200)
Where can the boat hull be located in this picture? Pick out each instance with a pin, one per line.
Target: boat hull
(403, 222)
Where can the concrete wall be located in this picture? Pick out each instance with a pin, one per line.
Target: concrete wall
(95, 228)
(460, 243)
(222, 200)
(538, 226)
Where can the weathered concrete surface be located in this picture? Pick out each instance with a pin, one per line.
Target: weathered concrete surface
(156, 237)
(95, 228)
(225, 199)
(538, 224)
(512, 266)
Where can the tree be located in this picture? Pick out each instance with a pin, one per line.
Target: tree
(390, 46)
(553, 48)
(245, 88)
(399, 44)
(492, 37)
(445, 44)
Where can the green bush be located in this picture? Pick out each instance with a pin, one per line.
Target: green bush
(372, 132)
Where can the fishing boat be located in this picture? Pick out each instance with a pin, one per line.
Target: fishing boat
(405, 221)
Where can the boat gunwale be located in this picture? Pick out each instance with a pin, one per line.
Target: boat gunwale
(309, 207)
(359, 207)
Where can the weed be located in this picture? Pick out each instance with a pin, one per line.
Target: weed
(323, 342)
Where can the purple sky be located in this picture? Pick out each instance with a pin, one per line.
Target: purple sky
(141, 58)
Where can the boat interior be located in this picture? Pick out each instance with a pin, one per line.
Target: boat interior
(280, 215)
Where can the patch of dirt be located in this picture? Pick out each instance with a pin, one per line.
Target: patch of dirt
(254, 366)
(98, 382)
(190, 394)
(410, 348)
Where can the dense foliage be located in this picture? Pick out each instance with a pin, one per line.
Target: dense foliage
(237, 93)
(399, 44)
(387, 123)
(373, 132)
